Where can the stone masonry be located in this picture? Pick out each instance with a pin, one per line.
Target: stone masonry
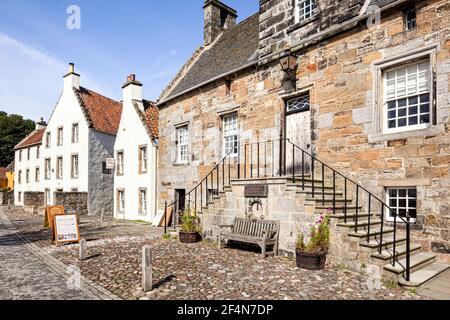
(342, 72)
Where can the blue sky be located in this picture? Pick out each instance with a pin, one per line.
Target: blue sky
(151, 38)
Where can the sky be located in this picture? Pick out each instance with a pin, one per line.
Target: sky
(150, 38)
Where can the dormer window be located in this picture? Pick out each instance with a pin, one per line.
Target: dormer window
(304, 9)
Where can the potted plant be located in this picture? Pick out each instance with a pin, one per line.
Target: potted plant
(311, 254)
(190, 227)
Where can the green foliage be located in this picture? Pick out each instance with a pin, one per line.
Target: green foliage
(13, 129)
(190, 221)
(319, 237)
(166, 236)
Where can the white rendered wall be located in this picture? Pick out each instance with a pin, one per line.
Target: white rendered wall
(131, 135)
(23, 165)
(66, 113)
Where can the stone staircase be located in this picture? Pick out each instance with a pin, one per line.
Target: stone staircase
(358, 249)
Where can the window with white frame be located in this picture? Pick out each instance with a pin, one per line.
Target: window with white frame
(47, 169)
(47, 196)
(119, 165)
(60, 137)
(410, 19)
(298, 104)
(48, 140)
(20, 155)
(59, 168)
(27, 176)
(28, 153)
(143, 159)
(19, 196)
(20, 177)
(304, 9)
(37, 174)
(402, 201)
(407, 97)
(182, 142)
(230, 135)
(74, 166)
(38, 152)
(75, 132)
(142, 201)
(121, 200)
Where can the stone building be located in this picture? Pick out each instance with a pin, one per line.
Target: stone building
(135, 152)
(78, 140)
(363, 86)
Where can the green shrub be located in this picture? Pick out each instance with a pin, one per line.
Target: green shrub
(190, 221)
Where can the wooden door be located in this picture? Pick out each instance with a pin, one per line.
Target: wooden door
(298, 132)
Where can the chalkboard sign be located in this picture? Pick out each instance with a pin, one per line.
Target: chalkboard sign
(66, 229)
(256, 191)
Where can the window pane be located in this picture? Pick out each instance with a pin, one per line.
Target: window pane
(413, 121)
(402, 193)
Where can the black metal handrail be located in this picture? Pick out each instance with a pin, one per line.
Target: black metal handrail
(271, 159)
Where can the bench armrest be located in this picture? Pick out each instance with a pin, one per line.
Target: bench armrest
(269, 233)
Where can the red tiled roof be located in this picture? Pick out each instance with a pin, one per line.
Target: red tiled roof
(102, 113)
(32, 139)
(3, 173)
(151, 115)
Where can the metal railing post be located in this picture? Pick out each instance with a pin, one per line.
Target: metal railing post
(165, 217)
(408, 246)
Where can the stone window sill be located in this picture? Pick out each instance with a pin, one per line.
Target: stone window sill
(185, 164)
(302, 23)
(382, 137)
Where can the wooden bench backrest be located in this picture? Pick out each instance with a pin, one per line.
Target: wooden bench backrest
(254, 228)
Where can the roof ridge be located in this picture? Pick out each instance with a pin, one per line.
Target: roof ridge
(100, 95)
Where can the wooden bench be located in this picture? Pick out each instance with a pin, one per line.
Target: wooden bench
(260, 232)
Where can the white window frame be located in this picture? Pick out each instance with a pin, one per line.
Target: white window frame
(230, 133)
(47, 196)
(38, 152)
(19, 177)
(143, 157)
(37, 174)
(48, 140)
(419, 126)
(20, 155)
(28, 154)
(60, 137)
(388, 199)
(308, 9)
(47, 168)
(121, 200)
(59, 168)
(182, 144)
(120, 163)
(27, 176)
(143, 201)
(75, 133)
(74, 166)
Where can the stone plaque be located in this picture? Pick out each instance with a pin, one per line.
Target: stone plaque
(256, 191)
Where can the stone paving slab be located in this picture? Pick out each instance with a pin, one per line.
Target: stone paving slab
(201, 271)
(438, 288)
(28, 273)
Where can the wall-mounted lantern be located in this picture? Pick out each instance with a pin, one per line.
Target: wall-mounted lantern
(288, 64)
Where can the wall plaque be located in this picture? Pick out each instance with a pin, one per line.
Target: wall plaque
(256, 191)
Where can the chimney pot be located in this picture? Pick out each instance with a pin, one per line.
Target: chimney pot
(71, 68)
(131, 78)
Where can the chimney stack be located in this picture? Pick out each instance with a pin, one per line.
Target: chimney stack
(72, 79)
(41, 124)
(132, 91)
(217, 18)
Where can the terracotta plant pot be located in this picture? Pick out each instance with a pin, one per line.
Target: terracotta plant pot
(311, 261)
(189, 237)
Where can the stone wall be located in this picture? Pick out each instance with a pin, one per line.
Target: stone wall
(32, 199)
(5, 196)
(101, 183)
(283, 204)
(342, 77)
(72, 201)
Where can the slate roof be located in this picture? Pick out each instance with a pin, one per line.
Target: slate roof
(149, 117)
(103, 114)
(236, 48)
(34, 138)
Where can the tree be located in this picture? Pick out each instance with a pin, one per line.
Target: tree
(13, 129)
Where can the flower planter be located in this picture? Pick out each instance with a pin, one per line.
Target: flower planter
(311, 261)
(189, 237)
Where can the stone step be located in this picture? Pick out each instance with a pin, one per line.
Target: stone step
(417, 260)
(350, 216)
(318, 199)
(372, 232)
(388, 242)
(319, 192)
(423, 275)
(340, 208)
(387, 254)
(361, 223)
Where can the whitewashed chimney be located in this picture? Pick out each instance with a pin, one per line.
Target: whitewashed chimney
(72, 79)
(132, 91)
(41, 124)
